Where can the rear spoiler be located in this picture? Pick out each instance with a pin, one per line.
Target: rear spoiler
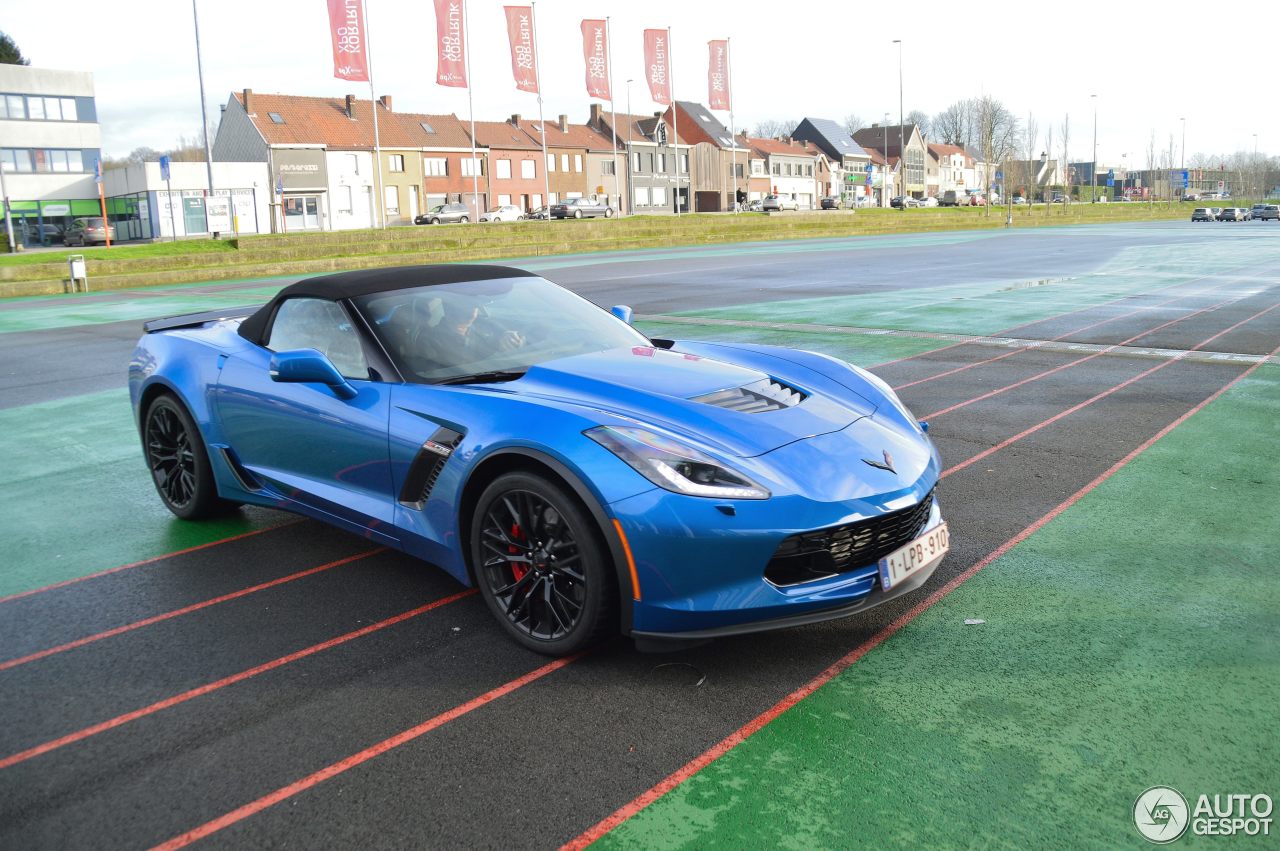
(191, 320)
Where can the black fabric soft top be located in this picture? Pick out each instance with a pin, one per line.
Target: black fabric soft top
(367, 281)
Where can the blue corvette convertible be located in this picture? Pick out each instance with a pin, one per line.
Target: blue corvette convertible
(587, 479)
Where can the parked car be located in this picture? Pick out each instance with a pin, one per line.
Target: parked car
(901, 202)
(1268, 213)
(1234, 214)
(505, 213)
(1211, 196)
(1203, 214)
(1058, 198)
(1191, 196)
(580, 208)
(756, 206)
(927, 202)
(43, 234)
(778, 203)
(444, 214)
(88, 232)
(951, 198)
(1019, 201)
(505, 453)
(1217, 213)
(976, 200)
(831, 203)
(539, 213)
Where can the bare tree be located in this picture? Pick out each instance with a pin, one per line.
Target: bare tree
(997, 135)
(1066, 160)
(955, 124)
(853, 123)
(772, 128)
(921, 120)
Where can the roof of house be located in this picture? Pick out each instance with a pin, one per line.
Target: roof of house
(939, 150)
(706, 122)
(829, 136)
(301, 120)
(504, 134)
(875, 136)
(765, 147)
(574, 136)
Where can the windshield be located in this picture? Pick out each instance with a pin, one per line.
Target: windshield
(435, 333)
(437, 208)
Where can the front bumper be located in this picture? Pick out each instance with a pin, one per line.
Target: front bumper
(701, 571)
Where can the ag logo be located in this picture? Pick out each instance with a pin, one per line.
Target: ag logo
(1160, 814)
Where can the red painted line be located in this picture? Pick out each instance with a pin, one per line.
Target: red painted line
(152, 560)
(286, 792)
(1021, 349)
(1008, 331)
(194, 607)
(200, 691)
(1069, 364)
(744, 732)
(1004, 443)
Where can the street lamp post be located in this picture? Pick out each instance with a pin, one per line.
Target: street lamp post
(631, 193)
(1183, 165)
(884, 182)
(902, 145)
(1093, 169)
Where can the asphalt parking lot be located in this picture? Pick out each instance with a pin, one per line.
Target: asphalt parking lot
(1105, 401)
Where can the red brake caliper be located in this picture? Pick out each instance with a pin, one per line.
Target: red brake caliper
(518, 570)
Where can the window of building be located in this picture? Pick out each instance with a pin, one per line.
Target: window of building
(393, 200)
(350, 163)
(436, 166)
(535, 200)
(75, 161)
(395, 162)
(35, 109)
(777, 169)
(555, 198)
(426, 127)
(564, 162)
(662, 163)
(648, 161)
(684, 164)
(757, 166)
(551, 163)
(738, 170)
(577, 162)
(342, 200)
(471, 167)
(642, 196)
(504, 169)
(659, 196)
(528, 169)
(606, 167)
(15, 159)
(69, 112)
(636, 164)
(504, 200)
(16, 106)
(276, 118)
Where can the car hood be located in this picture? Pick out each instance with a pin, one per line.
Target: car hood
(662, 388)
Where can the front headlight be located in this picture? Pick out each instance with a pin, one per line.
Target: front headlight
(674, 466)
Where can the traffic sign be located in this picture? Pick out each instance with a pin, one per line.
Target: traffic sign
(164, 167)
(1186, 178)
(868, 168)
(999, 175)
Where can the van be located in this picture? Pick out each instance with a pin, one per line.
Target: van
(949, 199)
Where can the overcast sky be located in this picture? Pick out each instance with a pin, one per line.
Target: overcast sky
(1150, 64)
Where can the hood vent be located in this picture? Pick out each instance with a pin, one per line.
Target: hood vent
(767, 394)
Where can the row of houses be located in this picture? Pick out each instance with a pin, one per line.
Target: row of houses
(325, 172)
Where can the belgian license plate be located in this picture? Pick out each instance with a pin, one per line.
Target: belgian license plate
(908, 559)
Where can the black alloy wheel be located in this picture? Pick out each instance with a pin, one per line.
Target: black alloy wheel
(541, 566)
(178, 461)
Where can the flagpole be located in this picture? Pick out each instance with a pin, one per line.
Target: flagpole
(542, 124)
(728, 58)
(380, 201)
(613, 125)
(471, 112)
(675, 117)
(204, 111)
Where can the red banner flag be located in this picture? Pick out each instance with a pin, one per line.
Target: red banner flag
(523, 55)
(595, 51)
(718, 76)
(451, 62)
(657, 63)
(346, 26)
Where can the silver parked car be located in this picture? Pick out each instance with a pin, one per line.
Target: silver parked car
(778, 203)
(505, 213)
(579, 208)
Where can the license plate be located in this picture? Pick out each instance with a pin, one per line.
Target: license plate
(908, 559)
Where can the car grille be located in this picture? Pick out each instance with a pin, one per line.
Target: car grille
(766, 394)
(829, 552)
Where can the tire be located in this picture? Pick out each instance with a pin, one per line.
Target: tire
(173, 445)
(608, 212)
(577, 214)
(463, 220)
(434, 221)
(517, 567)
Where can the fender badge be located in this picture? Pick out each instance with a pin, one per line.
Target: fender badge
(886, 464)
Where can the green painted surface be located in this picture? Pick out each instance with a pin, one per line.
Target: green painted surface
(988, 307)
(861, 349)
(1134, 641)
(68, 311)
(77, 497)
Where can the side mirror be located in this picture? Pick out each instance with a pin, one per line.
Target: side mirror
(622, 312)
(308, 366)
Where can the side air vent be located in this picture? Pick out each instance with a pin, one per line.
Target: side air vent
(426, 467)
(247, 480)
(767, 394)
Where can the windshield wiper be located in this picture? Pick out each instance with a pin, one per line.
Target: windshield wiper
(485, 377)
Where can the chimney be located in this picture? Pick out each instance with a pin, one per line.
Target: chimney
(515, 120)
(351, 102)
(564, 124)
(597, 115)
(658, 115)
(248, 101)
(385, 100)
